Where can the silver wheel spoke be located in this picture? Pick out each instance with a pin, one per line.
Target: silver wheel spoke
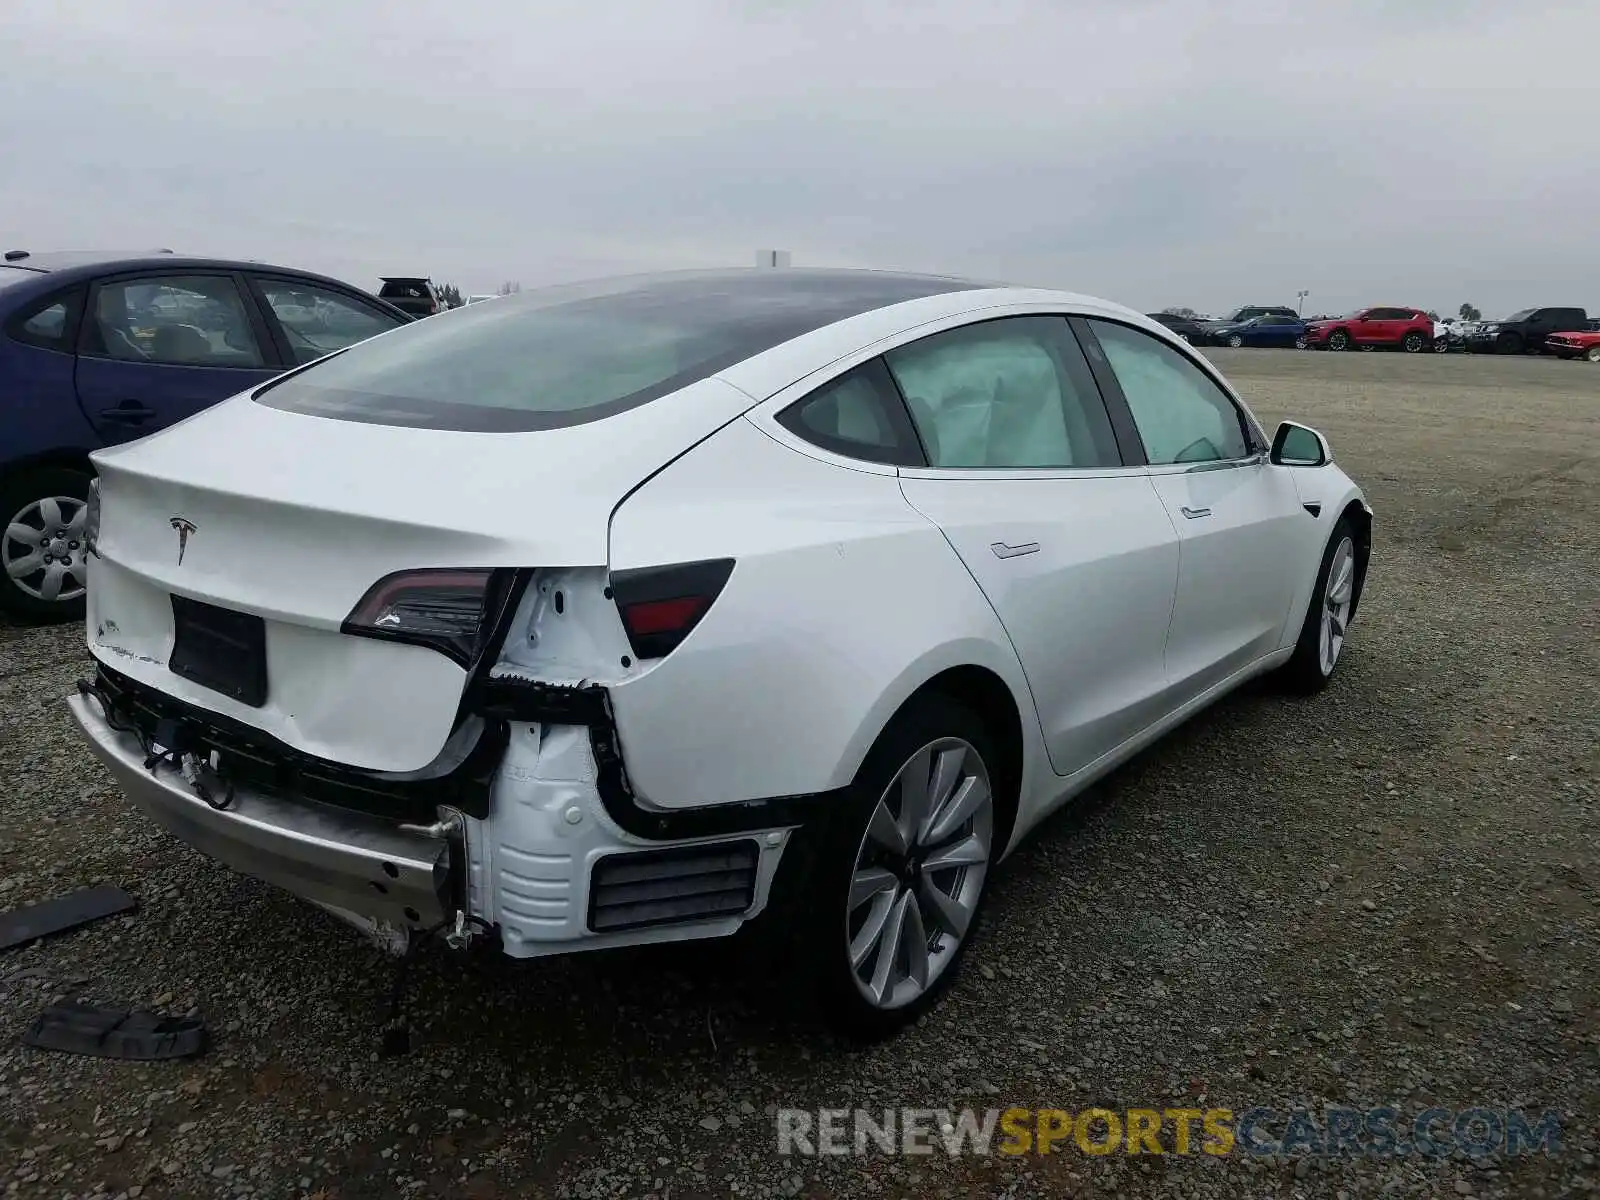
(871, 935)
(968, 852)
(1335, 626)
(886, 831)
(1339, 591)
(914, 944)
(18, 532)
(80, 516)
(868, 883)
(25, 565)
(50, 511)
(889, 949)
(51, 588)
(946, 778)
(948, 913)
(969, 797)
(916, 778)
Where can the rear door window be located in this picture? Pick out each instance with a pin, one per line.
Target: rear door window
(178, 320)
(1005, 394)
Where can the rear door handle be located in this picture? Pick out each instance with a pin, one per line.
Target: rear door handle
(130, 412)
(1193, 513)
(1001, 550)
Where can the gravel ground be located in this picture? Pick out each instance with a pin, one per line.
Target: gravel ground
(1383, 895)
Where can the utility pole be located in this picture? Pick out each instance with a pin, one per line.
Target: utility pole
(1300, 300)
(772, 258)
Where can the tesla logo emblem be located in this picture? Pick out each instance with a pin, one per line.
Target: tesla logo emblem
(184, 528)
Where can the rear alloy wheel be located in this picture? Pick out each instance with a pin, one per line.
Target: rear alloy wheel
(1592, 354)
(1236, 341)
(1300, 342)
(1338, 340)
(904, 871)
(1508, 343)
(1414, 342)
(42, 546)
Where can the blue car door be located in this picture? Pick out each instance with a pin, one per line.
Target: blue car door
(157, 347)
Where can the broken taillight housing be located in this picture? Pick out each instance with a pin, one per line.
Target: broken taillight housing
(661, 605)
(441, 608)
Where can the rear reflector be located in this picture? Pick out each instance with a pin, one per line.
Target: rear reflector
(661, 605)
(662, 887)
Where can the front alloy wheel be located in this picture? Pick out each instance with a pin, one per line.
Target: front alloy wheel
(919, 873)
(1338, 340)
(1337, 599)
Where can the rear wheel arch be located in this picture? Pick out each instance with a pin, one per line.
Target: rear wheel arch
(992, 701)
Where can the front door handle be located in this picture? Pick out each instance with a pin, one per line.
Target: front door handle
(1193, 513)
(1001, 550)
(129, 412)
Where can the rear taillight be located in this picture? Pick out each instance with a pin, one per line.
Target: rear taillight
(440, 608)
(660, 605)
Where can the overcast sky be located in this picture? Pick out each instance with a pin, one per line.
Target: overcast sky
(1154, 153)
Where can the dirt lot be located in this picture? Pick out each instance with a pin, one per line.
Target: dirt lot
(1384, 895)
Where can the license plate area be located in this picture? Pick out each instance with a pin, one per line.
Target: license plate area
(220, 649)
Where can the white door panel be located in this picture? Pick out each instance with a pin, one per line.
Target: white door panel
(1082, 572)
(1240, 528)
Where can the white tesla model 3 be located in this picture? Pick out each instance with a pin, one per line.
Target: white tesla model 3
(636, 611)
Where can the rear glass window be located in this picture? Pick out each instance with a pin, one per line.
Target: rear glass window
(569, 355)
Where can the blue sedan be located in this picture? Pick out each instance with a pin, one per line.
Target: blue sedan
(1263, 331)
(97, 350)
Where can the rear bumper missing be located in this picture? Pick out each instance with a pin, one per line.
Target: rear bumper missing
(334, 857)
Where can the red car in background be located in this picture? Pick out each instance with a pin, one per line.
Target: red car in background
(1410, 329)
(1580, 343)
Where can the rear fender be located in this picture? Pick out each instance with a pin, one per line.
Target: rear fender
(827, 625)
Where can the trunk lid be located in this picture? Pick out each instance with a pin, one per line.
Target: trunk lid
(293, 518)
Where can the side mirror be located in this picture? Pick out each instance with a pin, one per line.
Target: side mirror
(1298, 446)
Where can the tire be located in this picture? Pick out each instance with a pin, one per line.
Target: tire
(1592, 354)
(830, 895)
(1339, 339)
(1235, 341)
(1508, 343)
(1441, 345)
(1184, 337)
(1413, 342)
(1309, 668)
(1300, 343)
(38, 499)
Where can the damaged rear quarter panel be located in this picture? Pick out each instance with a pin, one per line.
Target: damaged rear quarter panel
(843, 601)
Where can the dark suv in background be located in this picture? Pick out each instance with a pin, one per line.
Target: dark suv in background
(1525, 330)
(413, 295)
(1249, 312)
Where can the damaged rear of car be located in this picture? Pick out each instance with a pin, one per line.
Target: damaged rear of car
(379, 632)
